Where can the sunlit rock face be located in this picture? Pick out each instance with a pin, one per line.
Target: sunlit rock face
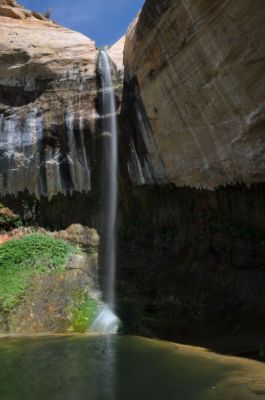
(116, 53)
(47, 114)
(194, 71)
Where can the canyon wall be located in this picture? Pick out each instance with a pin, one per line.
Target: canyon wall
(192, 216)
(192, 238)
(195, 72)
(47, 105)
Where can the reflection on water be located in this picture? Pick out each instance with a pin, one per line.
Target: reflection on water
(118, 368)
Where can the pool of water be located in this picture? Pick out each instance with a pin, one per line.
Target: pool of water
(122, 368)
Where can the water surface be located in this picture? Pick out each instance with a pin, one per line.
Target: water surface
(122, 368)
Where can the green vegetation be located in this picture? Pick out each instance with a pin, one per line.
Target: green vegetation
(21, 259)
(84, 313)
(8, 220)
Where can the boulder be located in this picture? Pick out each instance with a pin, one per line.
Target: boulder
(80, 235)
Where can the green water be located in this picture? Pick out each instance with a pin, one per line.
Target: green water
(109, 368)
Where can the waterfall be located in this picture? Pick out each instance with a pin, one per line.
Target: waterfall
(107, 321)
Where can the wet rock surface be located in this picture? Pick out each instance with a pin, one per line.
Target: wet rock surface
(47, 114)
(191, 265)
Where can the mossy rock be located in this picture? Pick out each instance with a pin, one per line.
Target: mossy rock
(84, 314)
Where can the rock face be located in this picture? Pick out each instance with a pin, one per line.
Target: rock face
(191, 262)
(47, 113)
(116, 53)
(54, 303)
(195, 73)
(80, 235)
(66, 299)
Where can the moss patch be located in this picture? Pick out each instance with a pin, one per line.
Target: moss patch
(83, 311)
(21, 259)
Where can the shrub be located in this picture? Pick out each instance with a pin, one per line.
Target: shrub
(8, 220)
(21, 259)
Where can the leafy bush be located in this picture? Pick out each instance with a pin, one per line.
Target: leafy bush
(8, 222)
(21, 259)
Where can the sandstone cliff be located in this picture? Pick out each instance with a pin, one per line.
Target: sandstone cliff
(191, 262)
(47, 114)
(194, 70)
(116, 53)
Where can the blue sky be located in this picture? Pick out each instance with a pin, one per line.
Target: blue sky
(104, 21)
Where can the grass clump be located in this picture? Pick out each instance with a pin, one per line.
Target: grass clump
(21, 259)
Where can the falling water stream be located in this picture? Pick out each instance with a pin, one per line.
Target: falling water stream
(107, 322)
